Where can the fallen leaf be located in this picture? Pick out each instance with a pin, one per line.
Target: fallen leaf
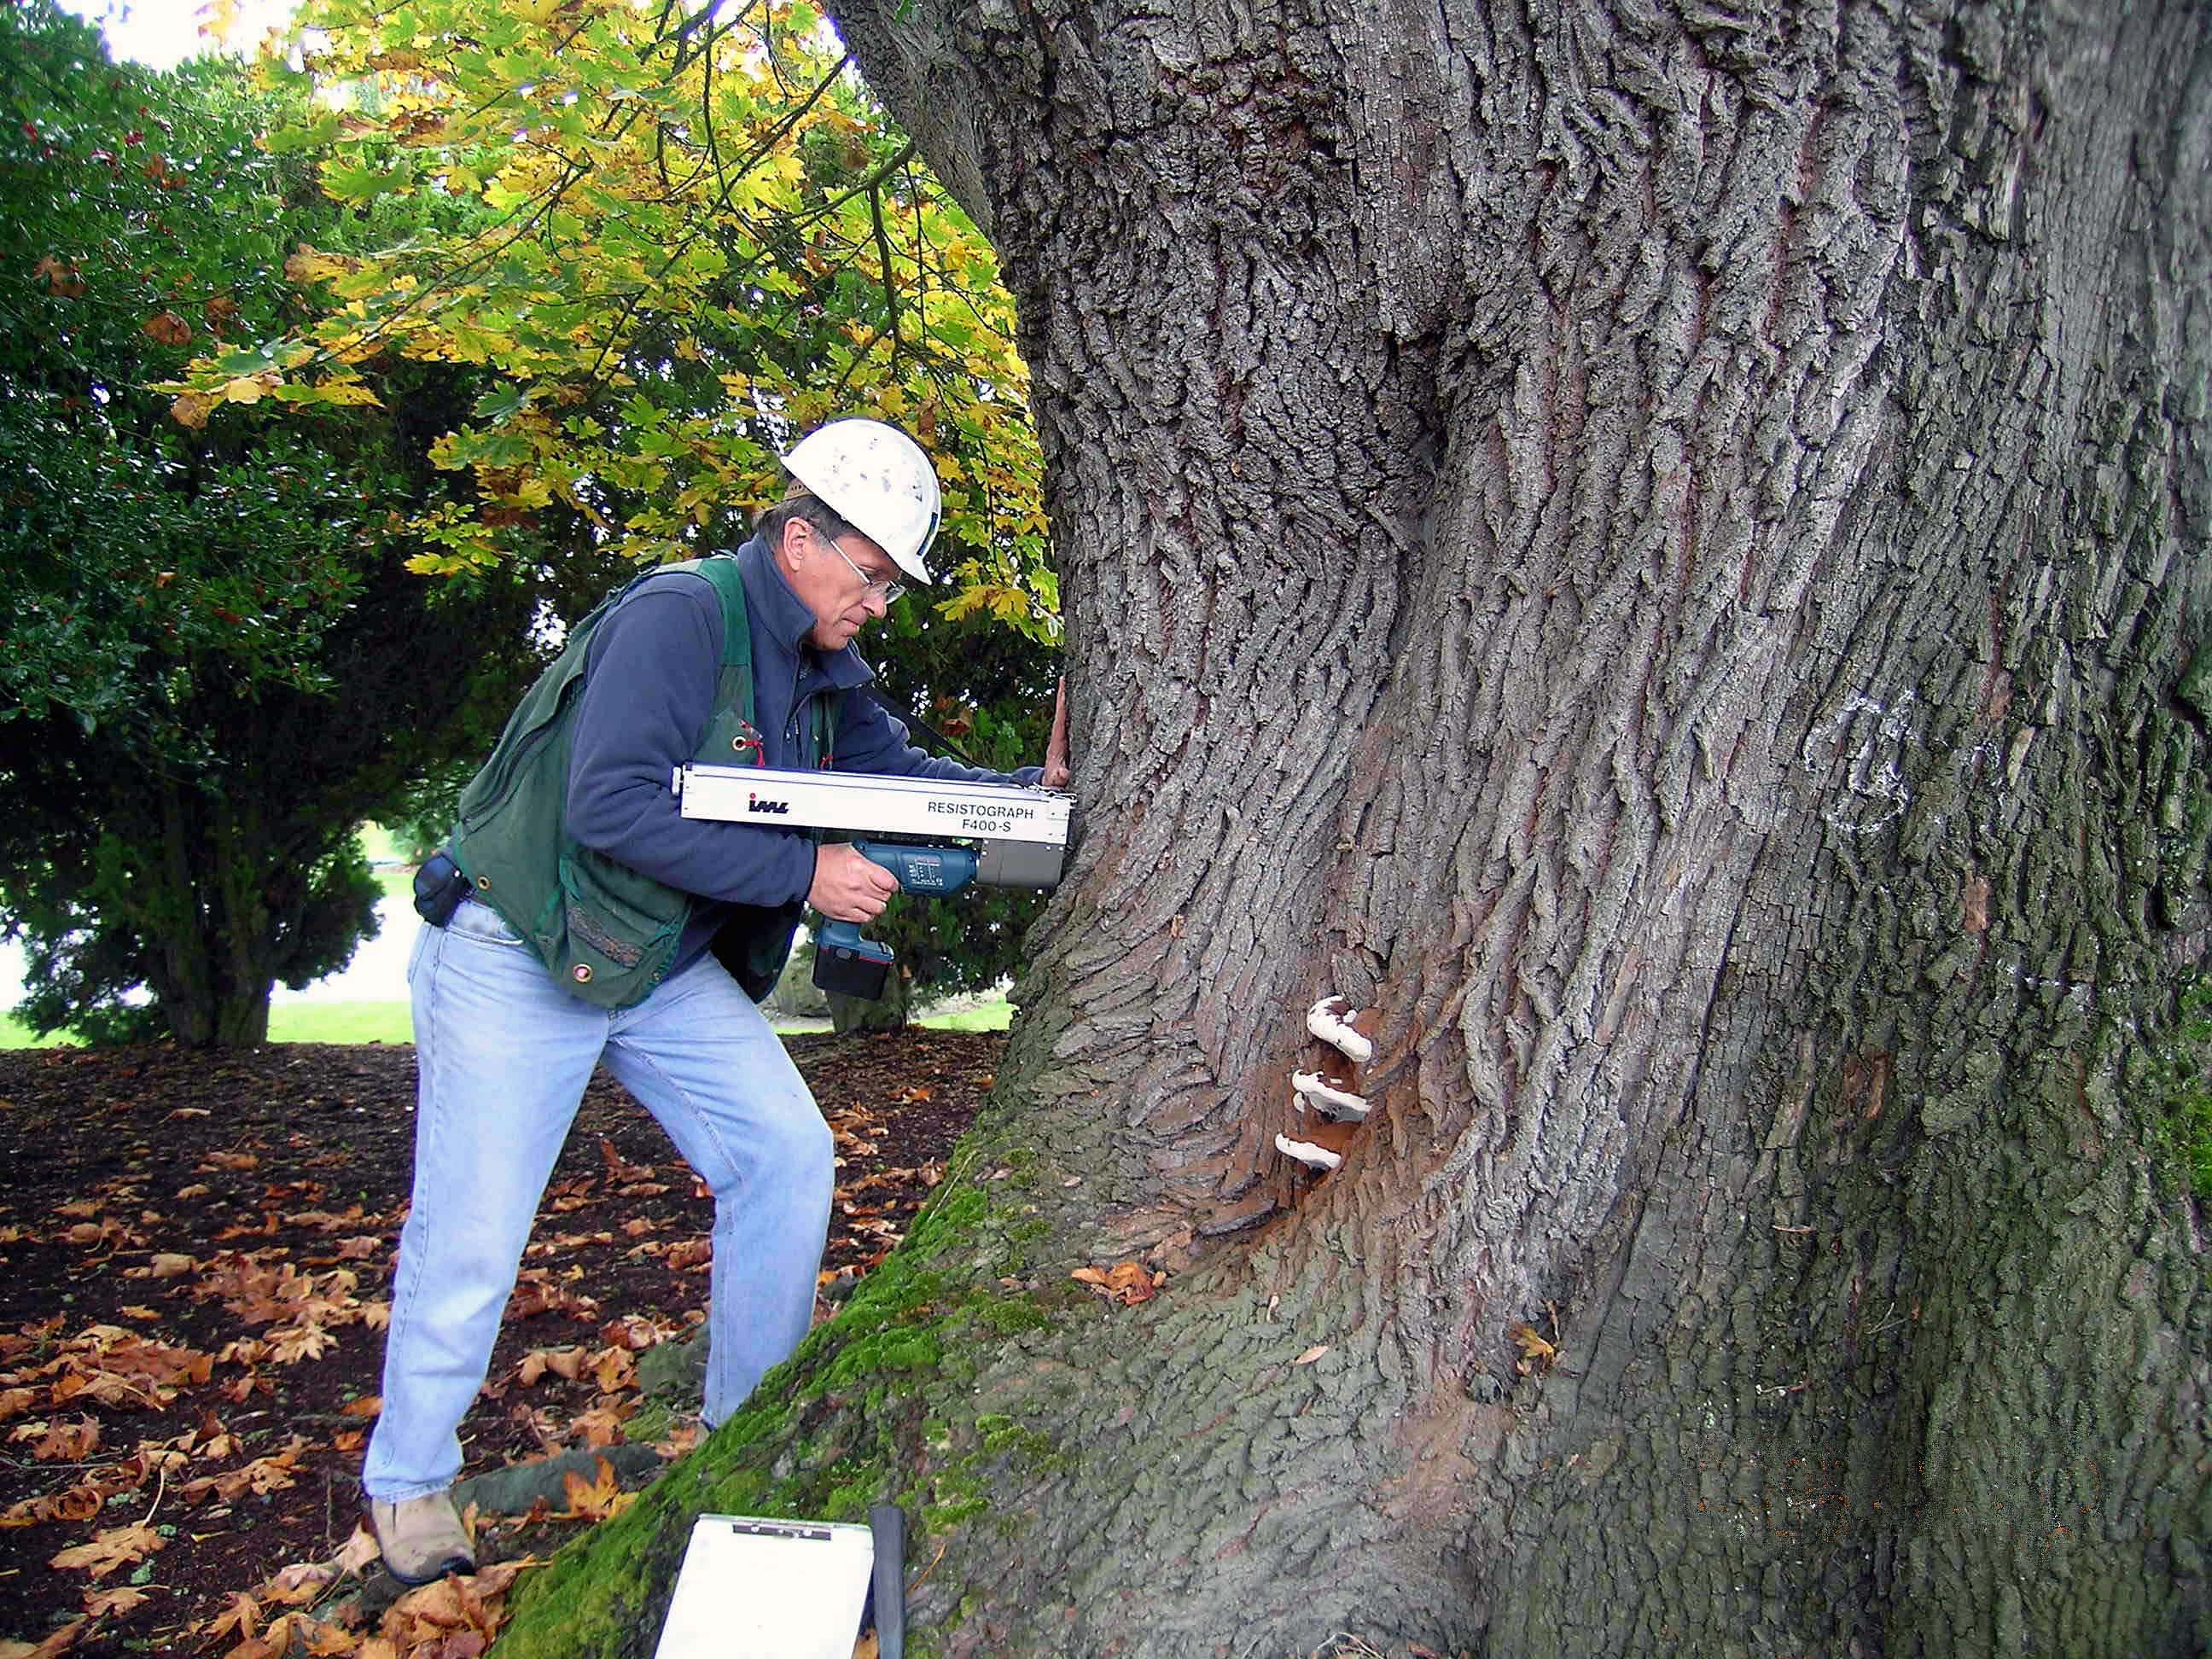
(61, 1442)
(601, 1426)
(1125, 1282)
(300, 1582)
(1311, 1354)
(300, 1633)
(594, 1500)
(614, 1370)
(369, 1404)
(1535, 1352)
(358, 1552)
(299, 1342)
(78, 1503)
(118, 1546)
(59, 1643)
(562, 1362)
(633, 1331)
(497, 1578)
(691, 1253)
(680, 1440)
(272, 1474)
(241, 1619)
(113, 1603)
(618, 1169)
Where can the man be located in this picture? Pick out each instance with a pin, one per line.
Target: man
(579, 917)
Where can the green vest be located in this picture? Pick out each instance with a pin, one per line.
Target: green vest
(603, 931)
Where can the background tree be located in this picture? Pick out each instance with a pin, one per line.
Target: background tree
(1665, 546)
(216, 664)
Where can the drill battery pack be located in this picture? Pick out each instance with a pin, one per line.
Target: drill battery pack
(851, 967)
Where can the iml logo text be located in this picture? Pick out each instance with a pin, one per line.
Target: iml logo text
(755, 804)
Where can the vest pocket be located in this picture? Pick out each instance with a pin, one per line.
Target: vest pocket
(615, 929)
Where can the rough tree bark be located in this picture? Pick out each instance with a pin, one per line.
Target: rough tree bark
(1664, 543)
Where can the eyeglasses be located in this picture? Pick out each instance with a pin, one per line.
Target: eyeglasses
(890, 586)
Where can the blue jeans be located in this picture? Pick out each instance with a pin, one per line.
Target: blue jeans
(502, 1055)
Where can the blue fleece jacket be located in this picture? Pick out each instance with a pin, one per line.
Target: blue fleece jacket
(649, 693)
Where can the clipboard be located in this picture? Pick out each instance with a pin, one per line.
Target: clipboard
(757, 1589)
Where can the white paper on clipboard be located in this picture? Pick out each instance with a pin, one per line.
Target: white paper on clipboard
(754, 1588)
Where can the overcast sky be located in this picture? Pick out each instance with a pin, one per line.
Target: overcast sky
(164, 33)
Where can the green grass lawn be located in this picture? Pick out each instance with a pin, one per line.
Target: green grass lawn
(388, 1022)
(995, 1015)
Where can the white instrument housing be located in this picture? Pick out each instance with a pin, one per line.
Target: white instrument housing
(1019, 832)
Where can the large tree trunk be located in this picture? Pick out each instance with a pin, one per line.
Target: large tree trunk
(1661, 544)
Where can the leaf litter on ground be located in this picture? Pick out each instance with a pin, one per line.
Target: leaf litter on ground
(195, 1257)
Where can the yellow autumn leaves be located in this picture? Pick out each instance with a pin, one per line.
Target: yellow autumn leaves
(675, 246)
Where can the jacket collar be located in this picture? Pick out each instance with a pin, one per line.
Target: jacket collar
(779, 617)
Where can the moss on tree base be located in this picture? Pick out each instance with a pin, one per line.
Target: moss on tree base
(877, 1406)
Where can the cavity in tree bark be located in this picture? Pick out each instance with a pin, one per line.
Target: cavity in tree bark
(1663, 544)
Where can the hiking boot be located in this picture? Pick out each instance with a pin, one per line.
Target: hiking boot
(421, 1538)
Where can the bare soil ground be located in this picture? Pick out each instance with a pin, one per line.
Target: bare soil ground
(195, 1252)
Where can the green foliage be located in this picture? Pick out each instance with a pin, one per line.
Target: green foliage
(213, 661)
(679, 236)
(107, 180)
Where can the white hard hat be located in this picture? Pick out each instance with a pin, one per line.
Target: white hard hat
(877, 480)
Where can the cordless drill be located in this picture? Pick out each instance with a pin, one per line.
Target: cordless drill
(852, 966)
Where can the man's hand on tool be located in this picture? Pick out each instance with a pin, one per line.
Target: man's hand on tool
(848, 887)
(1055, 748)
